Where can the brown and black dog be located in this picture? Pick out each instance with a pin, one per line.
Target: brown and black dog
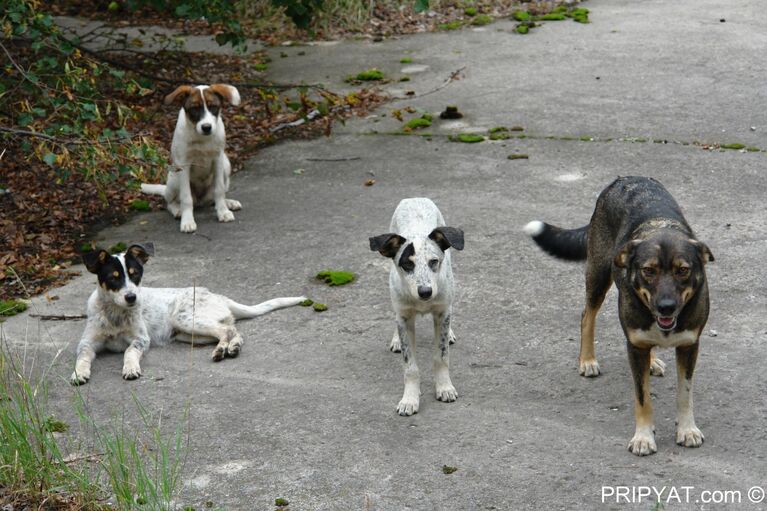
(639, 239)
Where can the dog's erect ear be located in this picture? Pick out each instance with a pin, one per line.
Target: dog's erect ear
(447, 237)
(703, 251)
(387, 244)
(625, 253)
(94, 259)
(179, 94)
(142, 251)
(227, 93)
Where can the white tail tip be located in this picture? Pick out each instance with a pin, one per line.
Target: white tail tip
(534, 228)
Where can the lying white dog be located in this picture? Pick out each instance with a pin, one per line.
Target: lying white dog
(421, 282)
(123, 317)
(200, 170)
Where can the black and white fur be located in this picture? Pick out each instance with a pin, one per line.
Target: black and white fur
(421, 282)
(125, 317)
(200, 169)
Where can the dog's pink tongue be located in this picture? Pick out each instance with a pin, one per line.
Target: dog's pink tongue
(665, 322)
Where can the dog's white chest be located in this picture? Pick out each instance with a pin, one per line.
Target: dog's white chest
(654, 336)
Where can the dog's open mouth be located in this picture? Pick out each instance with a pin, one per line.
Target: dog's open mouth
(666, 323)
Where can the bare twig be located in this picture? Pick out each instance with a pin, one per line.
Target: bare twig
(353, 158)
(453, 76)
(59, 317)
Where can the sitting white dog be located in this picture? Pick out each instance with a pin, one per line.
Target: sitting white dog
(200, 170)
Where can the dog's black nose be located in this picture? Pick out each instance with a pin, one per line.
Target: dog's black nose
(206, 128)
(424, 292)
(666, 306)
(130, 298)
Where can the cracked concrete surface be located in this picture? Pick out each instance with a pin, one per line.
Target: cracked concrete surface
(307, 412)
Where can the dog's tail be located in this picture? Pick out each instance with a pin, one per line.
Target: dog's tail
(241, 311)
(568, 244)
(153, 189)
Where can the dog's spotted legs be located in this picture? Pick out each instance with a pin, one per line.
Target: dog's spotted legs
(408, 405)
(443, 386)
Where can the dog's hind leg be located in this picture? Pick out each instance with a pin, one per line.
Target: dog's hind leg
(687, 433)
(409, 403)
(597, 284)
(443, 386)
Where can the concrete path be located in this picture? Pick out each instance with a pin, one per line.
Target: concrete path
(307, 412)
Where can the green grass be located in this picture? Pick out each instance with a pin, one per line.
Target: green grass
(405, 60)
(140, 205)
(12, 307)
(520, 15)
(43, 468)
(470, 11)
(118, 247)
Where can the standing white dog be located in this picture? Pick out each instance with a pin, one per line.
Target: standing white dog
(199, 174)
(421, 282)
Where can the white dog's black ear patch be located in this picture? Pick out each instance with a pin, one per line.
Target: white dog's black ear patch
(141, 251)
(447, 237)
(387, 244)
(95, 259)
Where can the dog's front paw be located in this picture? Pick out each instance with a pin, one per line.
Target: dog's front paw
(79, 378)
(589, 368)
(446, 393)
(643, 443)
(131, 372)
(395, 345)
(408, 406)
(224, 215)
(234, 205)
(188, 225)
(657, 367)
(689, 437)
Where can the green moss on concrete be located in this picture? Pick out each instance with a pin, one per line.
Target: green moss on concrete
(53, 425)
(406, 60)
(482, 19)
(118, 247)
(140, 205)
(335, 277)
(451, 25)
(470, 11)
(447, 469)
(736, 147)
(467, 138)
(319, 307)
(517, 156)
(280, 502)
(370, 75)
(306, 303)
(520, 15)
(414, 124)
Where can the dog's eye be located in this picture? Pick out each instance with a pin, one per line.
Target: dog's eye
(433, 264)
(648, 272)
(682, 271)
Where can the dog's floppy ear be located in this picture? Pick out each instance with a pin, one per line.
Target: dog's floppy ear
(179, 94)
(386, 244)
(141, 251)
(625, 253)
(94, 259)
(227, 92)
(447, 237)
(703, 251)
